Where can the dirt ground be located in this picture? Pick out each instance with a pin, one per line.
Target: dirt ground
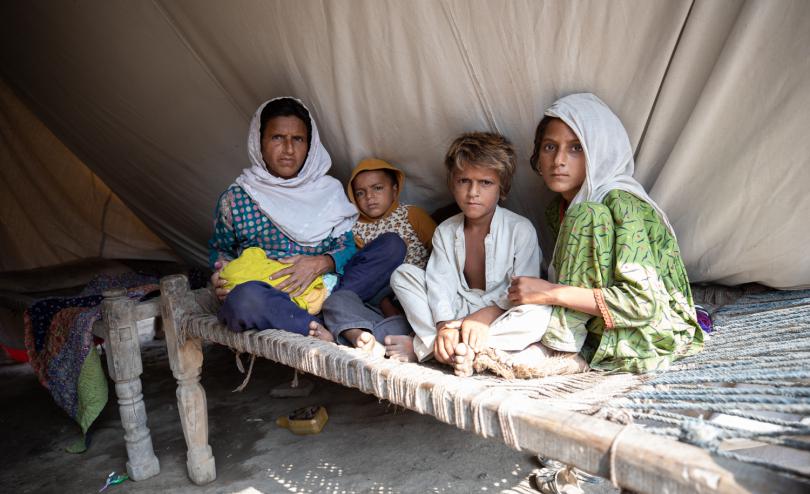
(366, 446)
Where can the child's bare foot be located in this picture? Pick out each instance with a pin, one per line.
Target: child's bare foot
(317, 330)
(400, 347)
(463, 360)
(365, 341)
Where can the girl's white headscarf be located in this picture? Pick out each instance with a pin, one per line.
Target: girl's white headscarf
(607, 149)
(309, 207)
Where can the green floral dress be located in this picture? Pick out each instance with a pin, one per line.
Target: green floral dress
(622, 249)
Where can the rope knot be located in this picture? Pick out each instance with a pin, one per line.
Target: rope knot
(617, 415)
(700, 433)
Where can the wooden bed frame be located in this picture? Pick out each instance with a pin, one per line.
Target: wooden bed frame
(630, 457)
(119, 328)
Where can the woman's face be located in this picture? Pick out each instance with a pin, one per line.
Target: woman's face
(284, 146)
(562, 159)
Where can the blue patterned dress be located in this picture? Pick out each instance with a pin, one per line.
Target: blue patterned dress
(239, 224)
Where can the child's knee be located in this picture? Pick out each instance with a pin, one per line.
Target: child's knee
(248, 297)
(242, 305)
(392, 245)
(407, 275)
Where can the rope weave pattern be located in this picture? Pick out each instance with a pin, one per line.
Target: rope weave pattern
(756, 362)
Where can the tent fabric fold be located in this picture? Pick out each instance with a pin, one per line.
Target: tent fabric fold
(53, 208)
(156, 97)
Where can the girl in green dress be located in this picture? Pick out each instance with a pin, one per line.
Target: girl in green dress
(618, 285)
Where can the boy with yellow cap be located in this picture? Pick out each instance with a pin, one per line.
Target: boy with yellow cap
(359, 312)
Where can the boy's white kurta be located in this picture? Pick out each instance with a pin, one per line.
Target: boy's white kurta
(441, 292)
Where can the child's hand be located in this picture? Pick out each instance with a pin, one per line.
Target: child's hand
(219, 283)
(447, 337)
(529, 290)
(475, 334)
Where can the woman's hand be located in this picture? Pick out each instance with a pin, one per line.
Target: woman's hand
(302, 271)
(447, 337)
(529, 290)
(217, 282)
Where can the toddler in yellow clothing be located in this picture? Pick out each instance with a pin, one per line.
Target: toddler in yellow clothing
(253, 265)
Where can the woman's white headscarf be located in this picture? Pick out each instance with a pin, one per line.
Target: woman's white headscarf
(309, 207)
(607, 149)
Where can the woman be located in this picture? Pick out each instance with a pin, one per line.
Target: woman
(622, 297)
(287, 205)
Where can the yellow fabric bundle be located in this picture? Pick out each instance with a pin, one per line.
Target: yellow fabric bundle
(253, 265)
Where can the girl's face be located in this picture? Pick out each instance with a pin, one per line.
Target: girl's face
(562, 159)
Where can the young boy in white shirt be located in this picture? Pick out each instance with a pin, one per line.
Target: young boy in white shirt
(458, 306)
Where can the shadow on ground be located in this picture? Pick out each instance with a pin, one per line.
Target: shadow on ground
(366, 446)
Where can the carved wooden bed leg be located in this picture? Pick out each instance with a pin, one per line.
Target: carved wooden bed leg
(185, 357)
(125, 367)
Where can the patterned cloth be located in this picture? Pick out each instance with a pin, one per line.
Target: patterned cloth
(622, 248)
(240, 224)
(396, 222)
(60, 345)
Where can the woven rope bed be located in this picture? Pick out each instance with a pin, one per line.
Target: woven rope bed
(648, 433)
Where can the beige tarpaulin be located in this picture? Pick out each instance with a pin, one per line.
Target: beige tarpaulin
(156, 98)
(53, 208)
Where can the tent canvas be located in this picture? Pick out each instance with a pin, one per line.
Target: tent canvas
(54, 209)
(155, 98)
